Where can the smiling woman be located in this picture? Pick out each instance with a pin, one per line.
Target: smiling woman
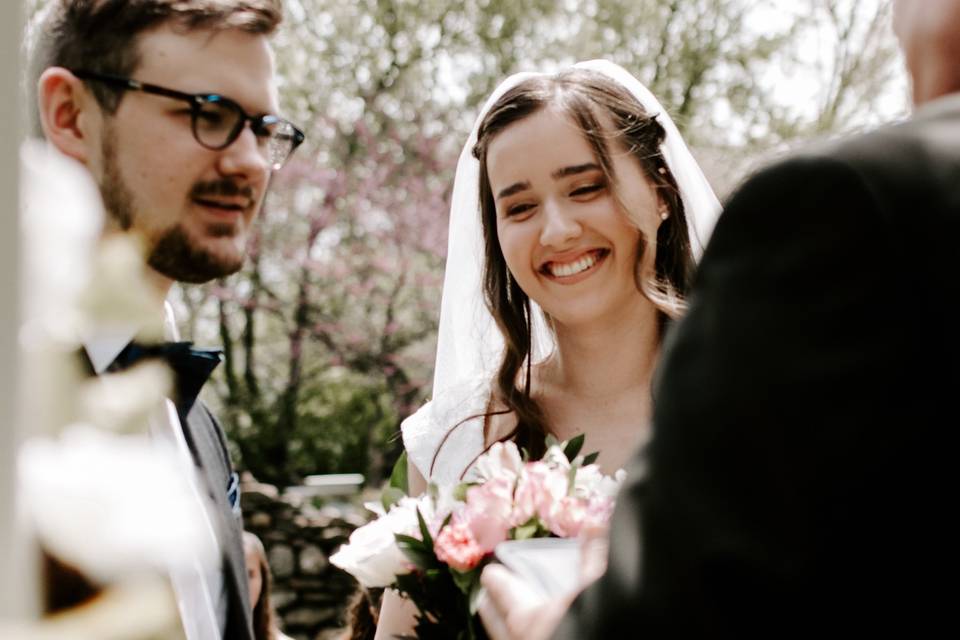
(591, 213)
(561, 225)
(583, 219)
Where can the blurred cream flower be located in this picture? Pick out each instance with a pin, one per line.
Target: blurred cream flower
(142, 609)
(123, 402)
(119, 296)
(112, 506)
(61, 222)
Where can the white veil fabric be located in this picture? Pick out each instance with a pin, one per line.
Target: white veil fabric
(469, 345)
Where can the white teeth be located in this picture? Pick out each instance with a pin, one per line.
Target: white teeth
(573, 268)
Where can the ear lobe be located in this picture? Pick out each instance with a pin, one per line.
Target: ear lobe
(66, 112)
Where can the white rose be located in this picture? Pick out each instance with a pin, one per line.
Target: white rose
(555, 457)
(372, 555)
(590, 481)
(501, 461)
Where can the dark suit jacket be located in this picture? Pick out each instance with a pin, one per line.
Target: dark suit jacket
(797, 481)
(208, 444)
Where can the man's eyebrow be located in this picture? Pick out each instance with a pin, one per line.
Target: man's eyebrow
(575, 169)
(516, 187)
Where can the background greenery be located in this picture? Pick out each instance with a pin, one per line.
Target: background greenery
(330, 328)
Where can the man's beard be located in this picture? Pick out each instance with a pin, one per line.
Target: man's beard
(173, 253)
(175, 256)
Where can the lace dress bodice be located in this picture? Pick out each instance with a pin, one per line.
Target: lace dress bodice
(445, 435)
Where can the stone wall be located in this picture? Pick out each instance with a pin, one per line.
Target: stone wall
(299, 534)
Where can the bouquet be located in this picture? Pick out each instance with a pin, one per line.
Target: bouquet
(432, 548)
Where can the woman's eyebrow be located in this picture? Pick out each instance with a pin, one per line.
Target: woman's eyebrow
(575, 169)
(516, 187)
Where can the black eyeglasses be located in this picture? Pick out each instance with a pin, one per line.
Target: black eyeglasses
(217, 121)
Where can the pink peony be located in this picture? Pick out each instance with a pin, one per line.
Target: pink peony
(572, 515)
(538, 489)
(457, 547)
(488, 511)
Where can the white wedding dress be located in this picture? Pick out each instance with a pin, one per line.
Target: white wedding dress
(445, 435)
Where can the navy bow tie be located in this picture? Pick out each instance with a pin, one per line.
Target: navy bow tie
(191, 367)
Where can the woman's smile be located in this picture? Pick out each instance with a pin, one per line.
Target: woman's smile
(574, 270)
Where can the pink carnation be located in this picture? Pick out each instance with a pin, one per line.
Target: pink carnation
(457, 547)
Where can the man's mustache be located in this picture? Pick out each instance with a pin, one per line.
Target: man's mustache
(225, 187)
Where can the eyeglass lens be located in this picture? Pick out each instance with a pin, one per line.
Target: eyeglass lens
(217, 123)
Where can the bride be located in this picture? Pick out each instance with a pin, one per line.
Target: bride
(577, 215)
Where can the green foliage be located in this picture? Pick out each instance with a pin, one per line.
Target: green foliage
(398, 478)
(573, 446)
(341, 420)
(439, 591)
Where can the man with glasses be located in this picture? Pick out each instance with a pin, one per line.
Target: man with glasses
(171, 105)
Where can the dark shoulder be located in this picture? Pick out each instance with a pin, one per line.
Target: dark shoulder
(812, 192)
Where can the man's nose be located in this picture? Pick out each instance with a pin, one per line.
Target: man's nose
(245, 157)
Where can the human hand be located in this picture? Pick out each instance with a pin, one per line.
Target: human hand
(512, 610)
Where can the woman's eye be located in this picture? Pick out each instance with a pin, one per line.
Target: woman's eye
(518, 209)
(586, 189)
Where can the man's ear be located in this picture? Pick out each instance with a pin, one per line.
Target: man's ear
(69, 114)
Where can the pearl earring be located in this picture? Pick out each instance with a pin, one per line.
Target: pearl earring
(664, 214)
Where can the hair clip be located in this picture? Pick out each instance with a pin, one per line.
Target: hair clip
(662, 171)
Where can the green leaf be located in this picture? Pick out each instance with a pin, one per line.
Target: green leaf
(390, 497)
(422, 557)
(473, 601)
(398, 478)
(573, 447)
(591, 458)
(550, 440)
(465, 581)
(460, 491)
(526, 531)
(419, 559)
(410, 541)
(424, 531)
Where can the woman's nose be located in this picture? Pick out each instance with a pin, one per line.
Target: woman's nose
(559, 226)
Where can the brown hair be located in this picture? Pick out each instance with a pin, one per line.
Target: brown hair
(362, 614)
(101, 35)
(264, 625)
(605, 112)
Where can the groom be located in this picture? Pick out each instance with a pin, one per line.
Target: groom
(155, 98)
(800, 480)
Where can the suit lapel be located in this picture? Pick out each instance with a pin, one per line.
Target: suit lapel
(201, 435)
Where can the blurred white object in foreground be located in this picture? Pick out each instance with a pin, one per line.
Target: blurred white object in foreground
(94, 489)
(112, 506)
(62, 220)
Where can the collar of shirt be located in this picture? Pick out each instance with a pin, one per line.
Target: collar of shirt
(103, 346)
